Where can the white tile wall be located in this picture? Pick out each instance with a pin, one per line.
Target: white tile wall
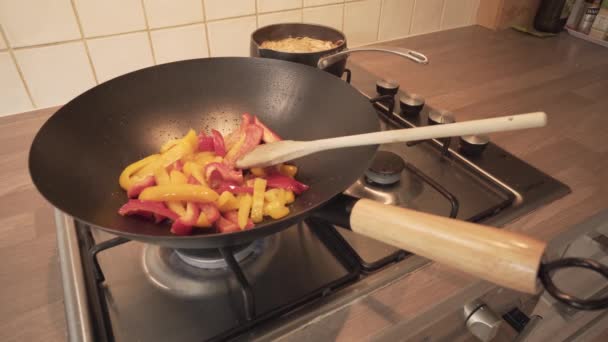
(325, 15)
(162, 13)
(52, 64)
(427, 16)
(57, 73)
(231, 37)
(103, 17)
(13, 97)
(179, 43)
(395, 19)
(277, 5)
(218, 9)
(361, 21)
(293, 16)
(117, 55)
(31, 22)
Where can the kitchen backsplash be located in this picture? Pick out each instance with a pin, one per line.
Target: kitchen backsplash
(53, 50)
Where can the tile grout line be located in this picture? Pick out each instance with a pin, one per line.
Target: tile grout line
(206, 29)
(409, 31)
(148, 34)
(11, 53)
(442, 14)
(84, 41)
(379, 20)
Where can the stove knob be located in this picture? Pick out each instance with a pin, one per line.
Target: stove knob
(473, 145)
(441, 117)
(481, 321)
(387, 87)
(411, 105)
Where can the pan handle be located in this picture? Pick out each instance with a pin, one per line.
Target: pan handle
(505, 258)
(412, 55)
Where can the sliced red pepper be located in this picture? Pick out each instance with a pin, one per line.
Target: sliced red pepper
(205, 143)
(233, 188)
(192, 180)
(253, 137)
(235, 136)
(233, 216)
(287, 183)
(216, 172)
(138, 187)
(183, 225)
(226, 226)
(269, 135)
(147, 209)
(218, 143)
(211, 211)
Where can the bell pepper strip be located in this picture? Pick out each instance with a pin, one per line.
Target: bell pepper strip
(125, 180)
(226, 226)
(162, 178)
(183, 225)
(275, 195)
(244, 210)
(146, 209)
(258, 171)
(287, 170)
(178, 177)
(169, 145)
(136, 188)
(251, 139)
(257, 205)
(179, 192)
(203, 158)
(269, 136)
(289, 196)
(287, 183)
(227, 202)
(231, 139)
(193, 181)
(178, 165)
(195, 170)
(208, 216)
(234, 217)
(233, 188)
(276, 210)
(216, 172)
(186, 146)
(205, 143)
(218, 143)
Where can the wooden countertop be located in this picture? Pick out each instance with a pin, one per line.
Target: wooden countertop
(474, 72)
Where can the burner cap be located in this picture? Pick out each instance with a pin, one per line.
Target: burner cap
(387, 87)
(212, 258)
(385, 169)
(441, 117)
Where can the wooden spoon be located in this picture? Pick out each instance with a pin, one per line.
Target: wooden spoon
(286, 150)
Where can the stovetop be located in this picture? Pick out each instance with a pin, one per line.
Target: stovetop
(123, 290)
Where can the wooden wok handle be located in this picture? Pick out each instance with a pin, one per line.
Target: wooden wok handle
(508, 259)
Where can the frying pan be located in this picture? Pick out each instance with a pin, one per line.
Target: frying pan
(78, 154)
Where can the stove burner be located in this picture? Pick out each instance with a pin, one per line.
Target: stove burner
(387, 87)
(441, 117)
(211, 259)
(385, 169)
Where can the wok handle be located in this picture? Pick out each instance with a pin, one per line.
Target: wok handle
(412, 55)
(505, 258)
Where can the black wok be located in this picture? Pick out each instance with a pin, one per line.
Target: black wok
(78, 154)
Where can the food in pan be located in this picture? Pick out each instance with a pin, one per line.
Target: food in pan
(299, 44)
(194, 183)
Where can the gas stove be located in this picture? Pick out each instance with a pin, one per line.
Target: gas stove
(116, 289)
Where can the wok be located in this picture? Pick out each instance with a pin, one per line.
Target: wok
(78, 154)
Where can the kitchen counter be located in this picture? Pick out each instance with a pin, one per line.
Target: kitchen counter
(474, 72)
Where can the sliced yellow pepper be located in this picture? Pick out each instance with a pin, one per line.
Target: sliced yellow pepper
(288, 170)
(289, 196)
(202, 221)
(168, 145)
(186, 146)
(244, 209)
(275, 195)
(163, 178)
(178, 192)
(125, 180)
(257, 206)
(196, 170)
(204, 158)
(177, 177)
(258, 171)
(275, 210)
(227, 202)
(230, 155)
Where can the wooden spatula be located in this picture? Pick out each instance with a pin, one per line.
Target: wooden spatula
(286, 150)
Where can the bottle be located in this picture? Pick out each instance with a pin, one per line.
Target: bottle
(552, 15)
(576, 14)
(591, 12)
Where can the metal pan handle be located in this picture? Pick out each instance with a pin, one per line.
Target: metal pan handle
(412, 55)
